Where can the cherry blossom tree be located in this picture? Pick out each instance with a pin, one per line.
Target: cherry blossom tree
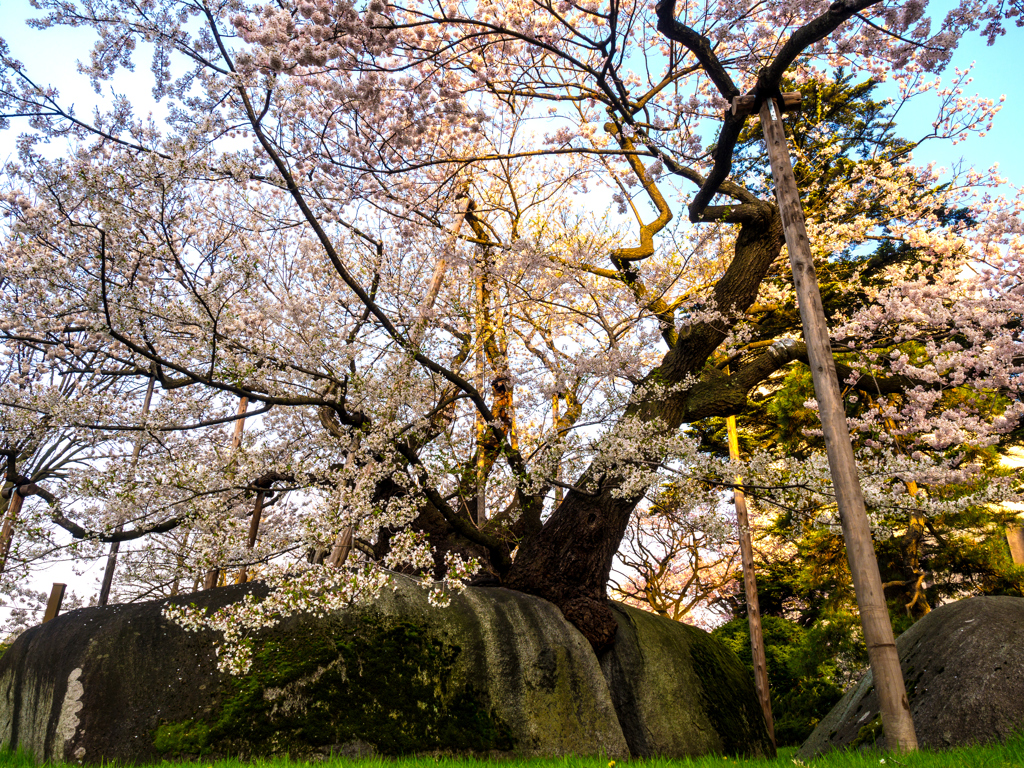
(679, 557)
(381, 223)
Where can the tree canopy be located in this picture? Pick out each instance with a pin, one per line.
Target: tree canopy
(438, 250)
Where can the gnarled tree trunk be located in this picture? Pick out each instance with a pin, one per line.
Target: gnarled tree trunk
(569, 560)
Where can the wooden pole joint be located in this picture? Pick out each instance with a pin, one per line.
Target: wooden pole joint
(748, 104)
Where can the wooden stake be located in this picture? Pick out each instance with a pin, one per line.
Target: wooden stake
(115, 546)
(750, 588)
(897, 723)
(1015, 538)
(342, 546)
(434, 288)
(7, 532)
(213, 575)
(236, 438)
(254, 529)
(54, 603)
(558, 469)
(480, 513)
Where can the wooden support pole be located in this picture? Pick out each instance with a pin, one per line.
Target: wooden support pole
(254, 530)
(1015, 538)
(7, 532)
(236, 438)
(342, 546)
(419, 329)
(213, 575)
(108, 572)
(54, 603)
(558, 468)
(750, 588)
(480, 512)
(897, 723)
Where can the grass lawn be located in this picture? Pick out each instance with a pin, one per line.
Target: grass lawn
(996, 756)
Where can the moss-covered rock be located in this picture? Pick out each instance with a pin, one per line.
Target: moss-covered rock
(679, 692)
(963, 666)
(496, 673)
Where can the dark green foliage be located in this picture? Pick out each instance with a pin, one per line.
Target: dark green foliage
(189, 738)
(801, 680)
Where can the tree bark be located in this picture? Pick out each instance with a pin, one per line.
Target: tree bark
(569, 561)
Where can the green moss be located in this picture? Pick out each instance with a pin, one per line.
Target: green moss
(729, 697)
(190, 737)
(869, 734)
(388, 683)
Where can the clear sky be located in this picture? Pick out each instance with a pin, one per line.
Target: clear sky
(998, 71)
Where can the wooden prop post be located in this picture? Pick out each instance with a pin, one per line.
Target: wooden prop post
(54, 603)
(345, 539)
(480, 513)
(213, 575)
(750, 588)
(7, 532)
(897, 723)
(254, 530)
(1015, 538)
(115, 546)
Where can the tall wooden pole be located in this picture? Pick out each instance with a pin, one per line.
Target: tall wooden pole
(1015, 538)
(213, 575)
(343, 542)
(885, 664)
(480, 513)
(7, 532)
(750, 588)
(254, 530)
(115, 546)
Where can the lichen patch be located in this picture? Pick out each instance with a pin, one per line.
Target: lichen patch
(67, 724)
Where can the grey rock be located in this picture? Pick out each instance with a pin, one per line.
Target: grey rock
(679, 692)
(963, 665)
(498, 673)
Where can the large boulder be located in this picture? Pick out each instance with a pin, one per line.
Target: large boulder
(963, 665)
(496, 673)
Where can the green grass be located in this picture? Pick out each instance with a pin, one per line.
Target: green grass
(994, 756)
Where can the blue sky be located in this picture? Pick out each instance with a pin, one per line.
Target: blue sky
(51, 58)
(997, 71)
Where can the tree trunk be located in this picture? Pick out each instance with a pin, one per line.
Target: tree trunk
(568, 562)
